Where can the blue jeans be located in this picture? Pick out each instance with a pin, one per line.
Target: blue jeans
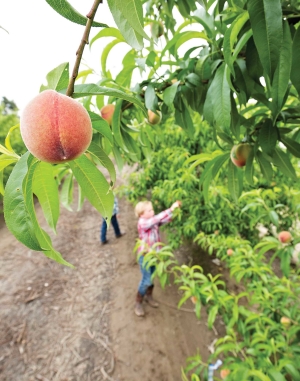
(146, 276)
(115, 225)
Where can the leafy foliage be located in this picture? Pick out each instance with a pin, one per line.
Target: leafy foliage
(221, 73)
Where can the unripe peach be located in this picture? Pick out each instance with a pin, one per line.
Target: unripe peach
(55, 128)
(229, 252)
(154, 118)
(157, 29)
(224, 373)
(107, 113)
(285, 237)
(239, 154)
(285, 321)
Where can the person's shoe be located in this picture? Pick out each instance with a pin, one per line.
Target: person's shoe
(104, 242)
(120, 235)
(139, 310)
(149, 298)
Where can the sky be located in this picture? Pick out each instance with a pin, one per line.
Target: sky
(39, 40)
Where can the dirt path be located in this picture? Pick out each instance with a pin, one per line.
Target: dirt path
(63, 324)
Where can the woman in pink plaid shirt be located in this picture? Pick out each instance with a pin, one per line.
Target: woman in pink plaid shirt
(148, 229)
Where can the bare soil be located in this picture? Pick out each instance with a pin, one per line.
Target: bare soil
(63, 324)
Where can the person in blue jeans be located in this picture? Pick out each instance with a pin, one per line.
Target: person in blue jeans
(114, 222)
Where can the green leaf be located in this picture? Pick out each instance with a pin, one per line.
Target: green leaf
(295, 78)
(131, 144)
(282, 161)
(274, 217)
(118, 157)
(206, 20)
(92, 89)
(7, 139)
(150, 61)
(169, 94)
(151, 101)
(267, 137)
(94, 185)
(219, 162)
(178, 40)
(17, 217)
(101, 125)
(6, 160)
(249, 170)
(231, 36)
(292, 146)
(266, 23)
(1, 183)
(45, 188)
(58, 78)
(107, 32)
(97, 151)
(129, 19)
(283, 71)
(233, 181)
(212, 316)
(66, 194)
(260, 375)
(265, 166)
(116, 124)
(42, 236)
(220, 93)
(291, 369)
(184, 120)
(275, 375)
(67, 11)
(203, 67)
(105, 54)
(254, 67)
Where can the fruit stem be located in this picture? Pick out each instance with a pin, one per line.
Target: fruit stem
(84, 41)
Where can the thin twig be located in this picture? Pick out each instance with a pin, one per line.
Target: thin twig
(107, 377)
(84, 41)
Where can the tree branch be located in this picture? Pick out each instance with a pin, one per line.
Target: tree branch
(84, 41)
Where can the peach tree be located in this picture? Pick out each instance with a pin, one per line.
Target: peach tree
(233, 62)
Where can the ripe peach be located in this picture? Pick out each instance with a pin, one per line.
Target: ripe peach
(154, 118)
(239, 154)
(224, 373)
(107, 113)
(285, 237)
(285, 321)
(229, 252)
(194, 299)
(55, 128)
(157, 29)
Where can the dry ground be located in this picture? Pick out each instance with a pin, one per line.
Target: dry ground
(63, 324)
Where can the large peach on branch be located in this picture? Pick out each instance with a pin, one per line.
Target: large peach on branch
(239, 154)
(55, 128)
(107, 113)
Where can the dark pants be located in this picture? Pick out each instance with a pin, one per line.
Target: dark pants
(115, 225)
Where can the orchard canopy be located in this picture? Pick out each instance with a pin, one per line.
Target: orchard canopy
(231, 66)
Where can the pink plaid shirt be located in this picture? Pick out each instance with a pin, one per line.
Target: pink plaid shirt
(148, 228)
